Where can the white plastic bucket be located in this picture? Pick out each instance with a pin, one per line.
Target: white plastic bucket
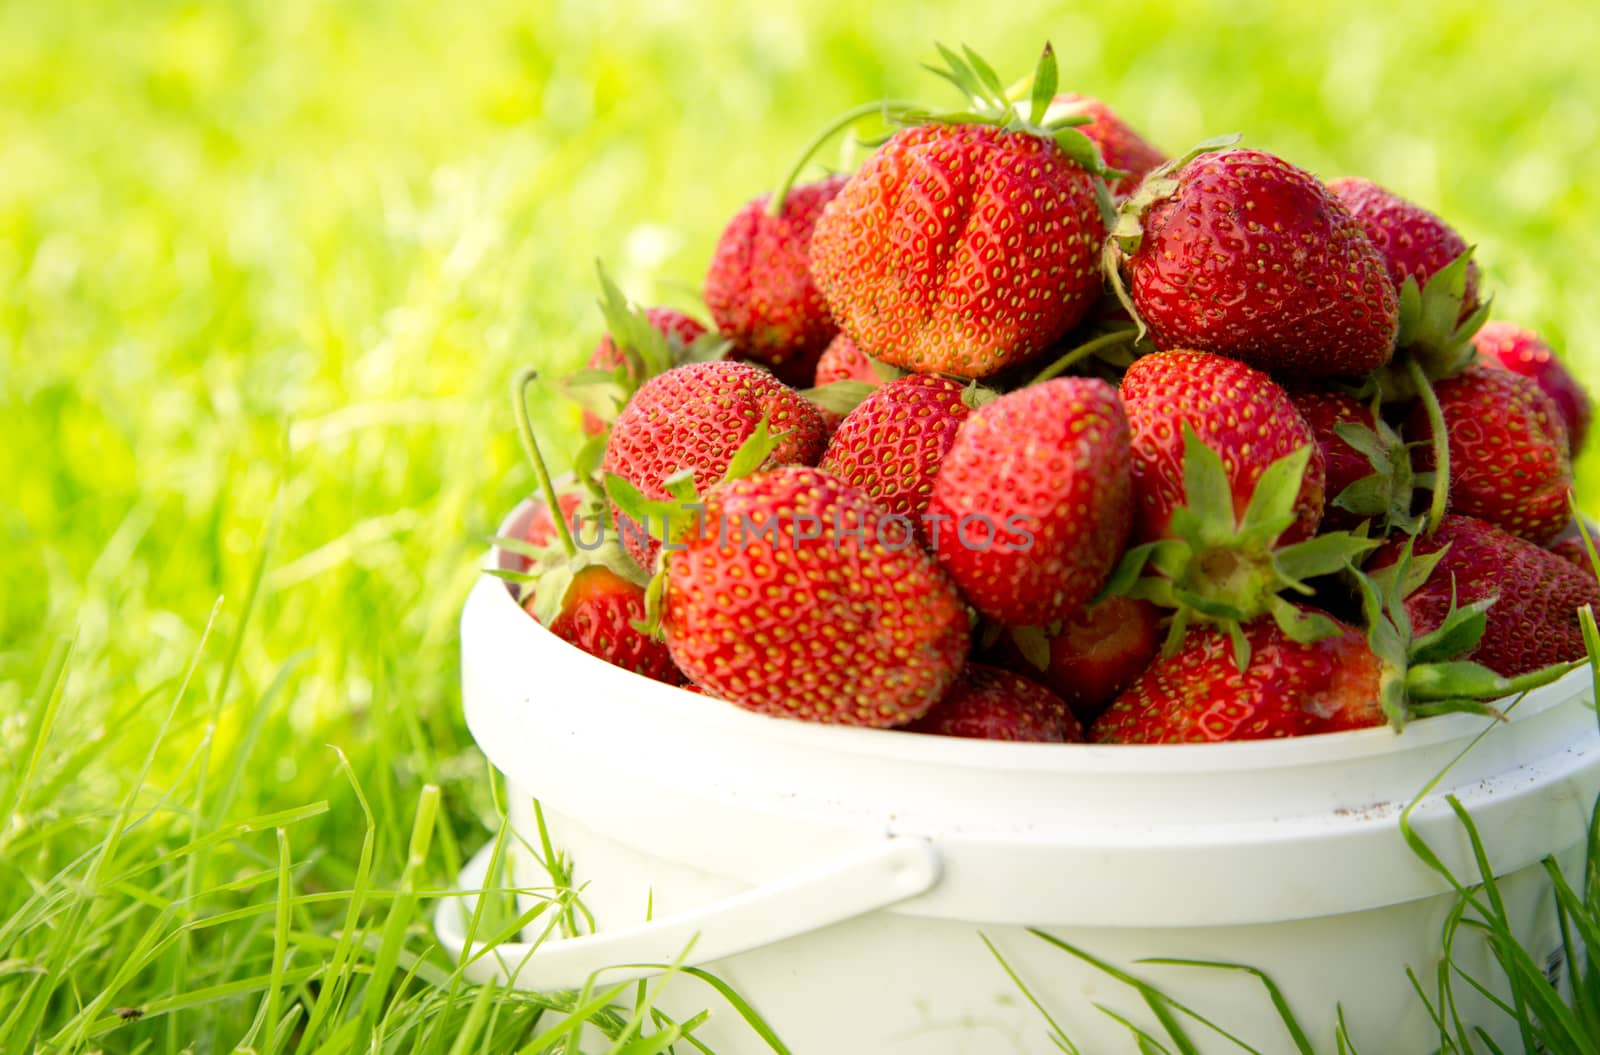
(843, 880)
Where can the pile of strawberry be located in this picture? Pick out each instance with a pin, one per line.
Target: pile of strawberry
(1024, 431)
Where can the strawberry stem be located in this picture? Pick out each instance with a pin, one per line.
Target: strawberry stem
(832, 128)
(1441, 443)
(519, 410)
(1084, 350)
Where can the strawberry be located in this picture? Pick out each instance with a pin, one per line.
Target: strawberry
(694, 417)
(591, 598)
(1523, 352)
(1240, 253)
(1414, 242)
(1120, 146)
(598, 613)
(759, 289)
(966, 243)
(785, 600)
(1242, 414)
(988, 703)
(1032, 505)
(1089, 659)
(1288, 688)
(1533, 621)
(1575, 551)
(892, 444)
(1367, 464)
(843, 361)
(1507, 451)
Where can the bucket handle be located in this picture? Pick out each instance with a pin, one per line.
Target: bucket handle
(898, 868)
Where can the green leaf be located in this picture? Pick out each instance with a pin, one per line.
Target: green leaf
(1370, 496)
(1044, 84)
(1081, 149)
(996, 91)
(1410, 312)
(1241, 646)
(1366, 441)
(976, 395)
(654, 598)
(754, 451)
(840, 397)
(1128, 570)
(1300, 625)
(1206, 489)
(884, 370)
(1457, 635)
(586, 463)
(1034, 644)
(550, 593)
(1322, 555)
(1271, 510)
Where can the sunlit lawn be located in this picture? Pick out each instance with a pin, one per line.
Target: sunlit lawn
(265, 270)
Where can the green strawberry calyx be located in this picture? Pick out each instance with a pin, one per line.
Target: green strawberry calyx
(1224, 570)
(1387, 495)
(1423, 676)
(645, 351)
(543, 588)
(1433, 335)
(672, 520)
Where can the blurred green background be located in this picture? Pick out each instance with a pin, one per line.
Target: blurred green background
(286, 254)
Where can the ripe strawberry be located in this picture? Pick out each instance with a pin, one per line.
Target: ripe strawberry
(1533, 621)
(786, 600)
(1574, 551)
(892, 444)
(1240, 253)
(598, 613)
(1414, 242)
(1032, 505)
(1089, 659)
(1507, 448)
(1287, 689)
(988, 703)
(590, 597)
(1523, 352)
(843, 361)
(1240, 412)
(1120, 146)
(759, 288)
(965, 248)
(694, 417)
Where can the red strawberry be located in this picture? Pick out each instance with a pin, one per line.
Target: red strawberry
(1031, 508)
(1508, 451)
(787, 601)
(674, 325)
(988, 703)
(1574, 550)
(1523, 352)
(1121, 147)
(1414, 242)
(694, 417)
(1532, 624)
(1240, 413)
(759, 288)
(966, 245)
(1243, 254)
(843, 361)
(1093, 656)
(1343, 465)
(1288, 689)
(891, 445)
(597, 615)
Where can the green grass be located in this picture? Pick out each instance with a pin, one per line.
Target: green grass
(265, 270)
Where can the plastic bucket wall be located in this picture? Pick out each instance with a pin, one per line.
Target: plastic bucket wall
(1283, 855)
